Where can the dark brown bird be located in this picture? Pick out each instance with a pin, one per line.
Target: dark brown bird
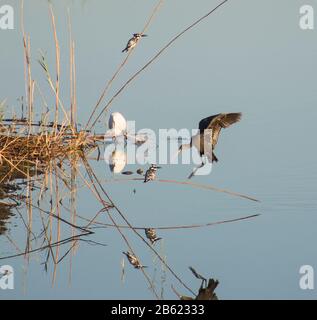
(209, 130)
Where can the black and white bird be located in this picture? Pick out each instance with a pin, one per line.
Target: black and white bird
(151, 235)
(133, 41)
(206, 139)
(150, 173)
(133, 260)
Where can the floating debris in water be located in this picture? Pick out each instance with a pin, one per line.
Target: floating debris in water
(151, 235)
(133, 260)
(128, 173)
(140, 171)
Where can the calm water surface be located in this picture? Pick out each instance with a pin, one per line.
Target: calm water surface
(251, 56)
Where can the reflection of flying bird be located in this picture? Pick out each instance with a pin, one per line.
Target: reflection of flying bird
(117, 125)
(209, 130)
(133, 41)
(118, 161)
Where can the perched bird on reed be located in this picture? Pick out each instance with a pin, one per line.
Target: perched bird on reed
(117, 125)
(133, 41)
(133, 260)
(151, 235)
(150, 173)
(206, 139)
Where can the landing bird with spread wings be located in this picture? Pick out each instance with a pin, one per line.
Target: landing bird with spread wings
(206, 139)
(133, 41)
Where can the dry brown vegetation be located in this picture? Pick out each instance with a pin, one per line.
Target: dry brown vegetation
(44, 163)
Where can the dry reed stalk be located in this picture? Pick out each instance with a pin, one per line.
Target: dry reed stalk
(122, 64)
(29, 83)
(151, 61)
(57, 61)
(72, 75)
(193, 184)
(57, 201)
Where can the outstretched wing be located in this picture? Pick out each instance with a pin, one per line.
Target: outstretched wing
(223, 120)
(204, 123)
(217, 122)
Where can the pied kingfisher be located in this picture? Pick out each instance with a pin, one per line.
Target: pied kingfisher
(133, 260)
(151, 235)
(133, 41)
(150, 173)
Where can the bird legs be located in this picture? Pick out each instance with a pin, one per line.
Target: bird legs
(203, 163)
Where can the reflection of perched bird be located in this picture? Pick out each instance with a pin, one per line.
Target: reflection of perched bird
(133, 41)
(151, 235)
(150, 173)
(118, 161)
(209, 130)
(133, 260)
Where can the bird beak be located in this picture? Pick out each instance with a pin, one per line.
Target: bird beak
(144, 35)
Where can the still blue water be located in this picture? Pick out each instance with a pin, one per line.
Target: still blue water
(250, 56)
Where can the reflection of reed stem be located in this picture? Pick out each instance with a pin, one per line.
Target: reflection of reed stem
(191, 226)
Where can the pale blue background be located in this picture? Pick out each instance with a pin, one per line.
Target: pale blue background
(250, 56)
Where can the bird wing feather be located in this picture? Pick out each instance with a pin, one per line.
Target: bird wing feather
(220, 121)
(204, 123)
(207, 141)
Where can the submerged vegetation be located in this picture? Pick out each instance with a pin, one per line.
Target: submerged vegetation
(45, 162)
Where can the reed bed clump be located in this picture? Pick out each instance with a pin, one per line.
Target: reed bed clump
(41, 147)
(44, 165)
